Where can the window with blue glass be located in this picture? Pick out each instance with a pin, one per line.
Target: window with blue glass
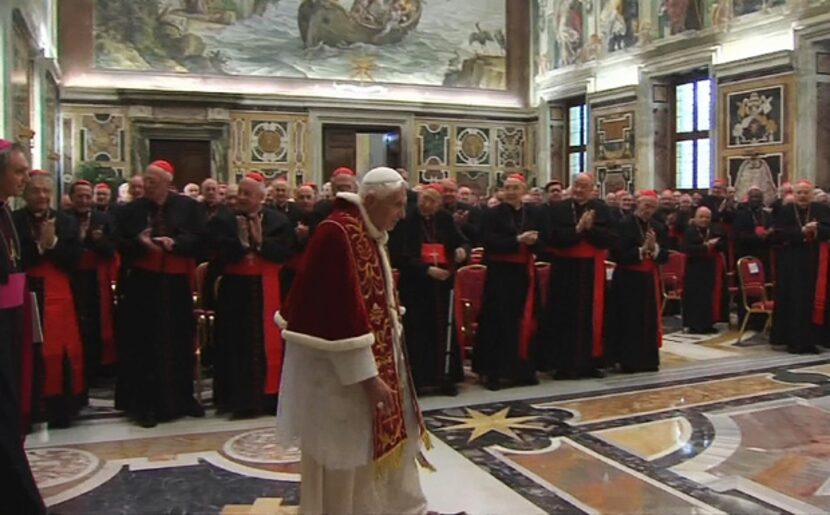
(692, 145)
(577, 139)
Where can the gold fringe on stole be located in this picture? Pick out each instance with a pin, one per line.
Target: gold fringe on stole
(389, 461)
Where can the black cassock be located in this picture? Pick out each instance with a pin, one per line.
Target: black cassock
(793, 322)
(87, 291)
(59, 403)
(746, 227)
(156, 354)
(241, 364)
(20, 495)
(497, 353)
(572, 329)
(427, 299)
(705, 292)
(634, 336)
(675, 221)
(471, 228)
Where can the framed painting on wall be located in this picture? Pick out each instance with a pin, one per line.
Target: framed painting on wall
(615, 138)
(756, 117)
(761, 170)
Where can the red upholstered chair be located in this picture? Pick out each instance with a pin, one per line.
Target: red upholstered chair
(543, 280)
(754, 286)
(469, 293)
(477, 255)
(671, 275)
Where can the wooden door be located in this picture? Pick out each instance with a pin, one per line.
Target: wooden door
(339, 149)
(190, 158)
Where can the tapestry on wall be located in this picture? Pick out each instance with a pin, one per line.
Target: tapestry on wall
(756, 117)
(615, 178)
(763, 171)
(453, 43)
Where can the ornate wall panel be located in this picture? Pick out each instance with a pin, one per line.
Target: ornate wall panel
(474, 152)
(273, 144)
(98, 135)
(613, 131)
(757, 129)
(51, 157)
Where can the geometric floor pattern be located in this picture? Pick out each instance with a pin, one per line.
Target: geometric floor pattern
(722, 428)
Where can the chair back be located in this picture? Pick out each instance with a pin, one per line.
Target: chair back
(543, 280)
(477, 255)
(753, 280)
(200, 274)
(673, 272)
(469, 294)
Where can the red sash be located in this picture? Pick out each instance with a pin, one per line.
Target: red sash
(527, 326)
(584, 250)
(717, 301)
(105, 269)
(820, 304)
(433, 254)
(61, 334)
(160, 262)
(269, 272)
(649, 266)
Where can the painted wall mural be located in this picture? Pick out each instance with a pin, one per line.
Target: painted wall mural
(570, 32)
(614, 137)
(453, 43)
(757, 170)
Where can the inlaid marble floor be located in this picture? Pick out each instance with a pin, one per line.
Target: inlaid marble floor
(722, 428)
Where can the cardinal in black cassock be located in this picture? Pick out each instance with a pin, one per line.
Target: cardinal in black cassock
(705, 295)
(580, 234)
(20, 494)
(252, 246)
(426, 247)
(636, 296)
(302, 218)
(802, 313)
(51, 248)
(507, 322)
(160, 237)
(92, 281)
(752, 229)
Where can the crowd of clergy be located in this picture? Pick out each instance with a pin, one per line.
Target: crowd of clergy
(571, 282)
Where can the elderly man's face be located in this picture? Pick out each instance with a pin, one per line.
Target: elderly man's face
(582, 189)
(465, 195)
(703, 217)
(429, 202)
(304, 199)
(343, 184)
(102, 196)
(611, 200)
(803, 194)
(192, 191)
(685, 202)
(554, 193)
(136, 189)
(81, 197)
(210, 191)
(385, 211)
(280, 192)
(626, 200)
(718, 190)
(250, 196)
(514, 191)
(156, 183)
(646, 207)
(667, 200)
(38, 194)
(450, 192)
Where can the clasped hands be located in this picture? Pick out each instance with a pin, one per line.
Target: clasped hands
(810, 229)
(586, 221)
(649, 248)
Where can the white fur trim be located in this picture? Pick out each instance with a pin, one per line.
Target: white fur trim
(314, 342)
(280, 321)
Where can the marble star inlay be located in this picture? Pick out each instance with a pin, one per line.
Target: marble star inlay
(482, 423)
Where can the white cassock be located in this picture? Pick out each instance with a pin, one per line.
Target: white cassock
(324, 409)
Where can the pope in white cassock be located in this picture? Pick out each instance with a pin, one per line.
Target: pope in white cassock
(346, 393)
